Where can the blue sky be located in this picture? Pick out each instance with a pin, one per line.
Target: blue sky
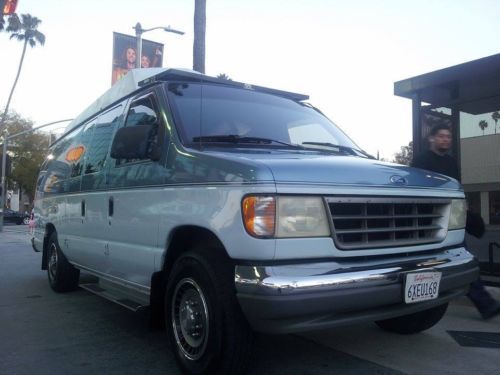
(345, 54)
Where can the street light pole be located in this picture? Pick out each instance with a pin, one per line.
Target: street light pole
(2, 181)
(138, 36)
(138, 49)
(4, 162)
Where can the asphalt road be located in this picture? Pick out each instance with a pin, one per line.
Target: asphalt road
(42, 332)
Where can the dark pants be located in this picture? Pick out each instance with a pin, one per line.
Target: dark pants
(480, 296)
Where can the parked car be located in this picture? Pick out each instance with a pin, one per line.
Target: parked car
(230, 208)
(11, 216)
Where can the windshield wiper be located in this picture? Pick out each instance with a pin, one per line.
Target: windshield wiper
(345, 149)
(234, 138)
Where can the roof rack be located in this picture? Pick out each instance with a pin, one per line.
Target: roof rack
(135, 79)
(191, 75)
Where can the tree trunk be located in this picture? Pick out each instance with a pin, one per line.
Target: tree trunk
(200, 21)
(4, 115)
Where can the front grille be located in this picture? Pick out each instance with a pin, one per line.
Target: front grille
(360, 223)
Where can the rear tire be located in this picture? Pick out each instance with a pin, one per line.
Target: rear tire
(413, 323)
(63, 277)
(206, 328)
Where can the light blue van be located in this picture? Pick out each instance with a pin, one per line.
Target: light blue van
(229, 208)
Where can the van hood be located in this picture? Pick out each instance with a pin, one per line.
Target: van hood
(347, 170)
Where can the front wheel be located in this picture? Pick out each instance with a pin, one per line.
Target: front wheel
(205, 325)
(63, 277)
(413, 323)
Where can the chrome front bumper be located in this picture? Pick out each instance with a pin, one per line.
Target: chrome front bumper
(305, 296)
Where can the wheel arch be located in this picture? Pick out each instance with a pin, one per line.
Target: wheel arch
(180, 240)
(49, 229)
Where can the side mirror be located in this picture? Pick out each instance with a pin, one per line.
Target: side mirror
(134, 142)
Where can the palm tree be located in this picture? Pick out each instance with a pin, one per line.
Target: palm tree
(200, 23)
(224, 76)
(495, 116)
(483, 125)
(12, 21)
(24, 31)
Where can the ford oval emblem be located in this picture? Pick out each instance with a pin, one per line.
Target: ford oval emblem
(398, 180)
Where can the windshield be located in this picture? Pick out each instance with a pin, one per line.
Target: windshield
(208, 114)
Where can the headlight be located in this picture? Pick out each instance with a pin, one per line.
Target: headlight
(458, 213)
(283, 217)
(301, 217)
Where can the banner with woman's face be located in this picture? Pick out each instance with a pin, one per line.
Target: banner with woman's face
(125, 54)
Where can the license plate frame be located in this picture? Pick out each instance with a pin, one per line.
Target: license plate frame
(421, 286)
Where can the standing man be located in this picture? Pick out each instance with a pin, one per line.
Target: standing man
(436, 159)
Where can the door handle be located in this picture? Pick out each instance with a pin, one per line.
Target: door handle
(111, 206)
(83, 208)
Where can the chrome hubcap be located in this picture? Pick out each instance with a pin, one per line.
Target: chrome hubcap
(190, 318)
(52, 266)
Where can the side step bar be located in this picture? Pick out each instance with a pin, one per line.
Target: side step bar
(115, 295)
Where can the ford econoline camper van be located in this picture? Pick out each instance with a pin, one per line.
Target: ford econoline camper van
(229, 208)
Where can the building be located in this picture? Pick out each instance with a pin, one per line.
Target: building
(480, 165)
(467, 98)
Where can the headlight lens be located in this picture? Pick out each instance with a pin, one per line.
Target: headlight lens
(301, 217)
(283, 217)
(458, 214)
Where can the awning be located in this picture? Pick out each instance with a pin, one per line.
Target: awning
(472, 87)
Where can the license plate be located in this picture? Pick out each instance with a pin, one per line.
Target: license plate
(421, 286)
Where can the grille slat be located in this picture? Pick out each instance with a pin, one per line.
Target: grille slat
(360, 223)
(355, 217)
(389, 229)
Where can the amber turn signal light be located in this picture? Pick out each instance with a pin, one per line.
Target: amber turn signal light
(259, 215)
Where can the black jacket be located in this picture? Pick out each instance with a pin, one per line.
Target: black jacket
(443, 164)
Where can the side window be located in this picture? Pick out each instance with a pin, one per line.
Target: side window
(77, 153)
(58, 168)
(101, 140)
(142, 111)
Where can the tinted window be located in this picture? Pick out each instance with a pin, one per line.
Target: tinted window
(140, 172)
(210, 110)
(143, 111)
(79, 149)
(58, 167)
(103, 131)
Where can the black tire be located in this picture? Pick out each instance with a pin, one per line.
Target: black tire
(26, 220)
(413, 323)
(216, 338)
(19, 222)
(63, 277)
